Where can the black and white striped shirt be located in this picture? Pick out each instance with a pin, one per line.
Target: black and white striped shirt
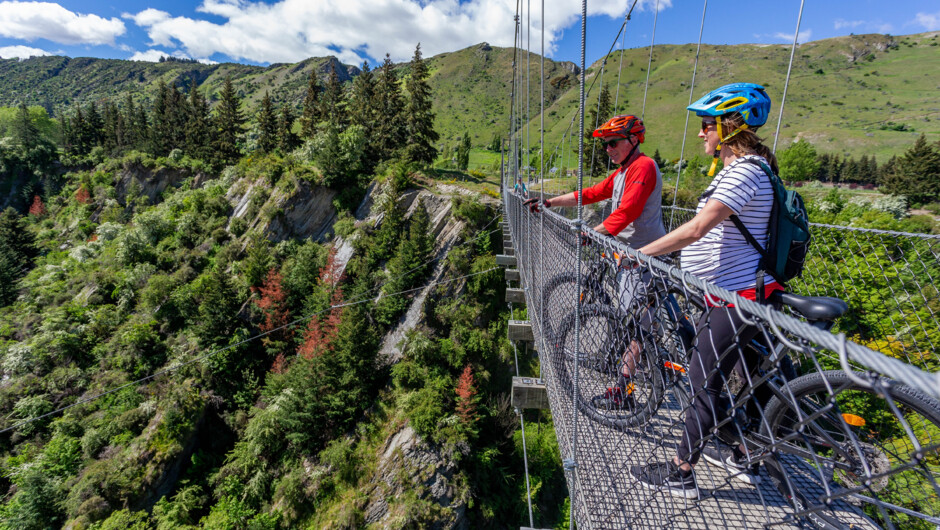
(723, 256)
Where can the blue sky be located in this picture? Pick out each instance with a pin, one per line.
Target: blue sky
(264, 32)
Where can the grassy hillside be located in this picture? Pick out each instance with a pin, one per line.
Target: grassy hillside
(846, 95)
(862, 94)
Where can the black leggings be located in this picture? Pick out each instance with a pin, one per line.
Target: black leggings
(721, 333)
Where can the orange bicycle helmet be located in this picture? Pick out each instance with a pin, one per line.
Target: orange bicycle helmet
(622, 126)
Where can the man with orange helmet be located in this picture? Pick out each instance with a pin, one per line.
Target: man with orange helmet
(634, 188)
(636, 218)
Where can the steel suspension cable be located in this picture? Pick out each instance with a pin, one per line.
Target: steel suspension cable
(623, 45)
(572, 464)
(649, 64)
(783, 100)
(685, 131)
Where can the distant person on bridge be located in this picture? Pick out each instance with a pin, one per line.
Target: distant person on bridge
(635, 190)
(716, 251)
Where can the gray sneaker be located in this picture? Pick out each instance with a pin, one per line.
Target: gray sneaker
(731, 459)
(666, 476)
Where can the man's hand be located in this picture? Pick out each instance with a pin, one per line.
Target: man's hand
(535, 203)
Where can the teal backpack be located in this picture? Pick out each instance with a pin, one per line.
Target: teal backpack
(788, 230)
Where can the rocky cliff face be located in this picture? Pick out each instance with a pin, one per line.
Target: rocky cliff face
(409, 465)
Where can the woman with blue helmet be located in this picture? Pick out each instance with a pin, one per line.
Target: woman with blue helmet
(714, 249)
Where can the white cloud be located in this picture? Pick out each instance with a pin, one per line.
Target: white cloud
(292, 30)
(21, 52)
(45, 20)
(841, 23)
(805, 36)
(930, 21)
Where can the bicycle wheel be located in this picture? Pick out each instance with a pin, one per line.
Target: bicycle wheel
(560, 296)
(604, 338)
(845, 457)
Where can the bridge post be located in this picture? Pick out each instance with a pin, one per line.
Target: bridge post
(521, 330)
(506, 260)
(529, 393)
(516, 296)
(512, 275)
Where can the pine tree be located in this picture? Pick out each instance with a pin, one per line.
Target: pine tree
(267, 125)
(333, 103)
(110, 115)
(822, 174)
(850, 172)
(835, 169)
(388, 132)
(198, 126)
(361, 101)
(287, 140)
(228, 124)
(25, 132)
(467, 398)
(916, 174)
(311, 110)
(272, 301)
(94, 125)
(218, 309)
(160, 134)
(463, 152)
(419, 116)
(37, 208)
(595, 156)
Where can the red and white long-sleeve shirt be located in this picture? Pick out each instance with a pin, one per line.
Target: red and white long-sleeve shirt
(636, 195)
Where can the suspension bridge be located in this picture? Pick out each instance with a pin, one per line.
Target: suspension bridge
(842, 423)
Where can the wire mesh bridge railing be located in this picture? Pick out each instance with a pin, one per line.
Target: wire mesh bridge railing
(796, 426)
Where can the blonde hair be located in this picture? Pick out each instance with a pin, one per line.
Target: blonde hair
(746, 141)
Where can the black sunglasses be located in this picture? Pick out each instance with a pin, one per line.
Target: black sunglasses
(708, 123)
(611, 143)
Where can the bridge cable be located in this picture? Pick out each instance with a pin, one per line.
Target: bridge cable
(685, 131)
(623, 45)
(572, 463)
(783, 99)
(649, 64)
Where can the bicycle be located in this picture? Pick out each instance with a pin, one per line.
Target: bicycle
(832, 446)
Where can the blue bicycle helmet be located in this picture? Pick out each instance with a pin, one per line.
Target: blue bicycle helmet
(747, 98)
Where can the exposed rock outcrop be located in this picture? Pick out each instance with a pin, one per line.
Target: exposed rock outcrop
(408, 464)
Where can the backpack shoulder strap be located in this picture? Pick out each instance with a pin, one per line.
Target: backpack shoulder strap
(765, 257)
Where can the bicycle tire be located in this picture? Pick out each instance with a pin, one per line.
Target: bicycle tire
(601, 327)
(553, 287)
(874, 444)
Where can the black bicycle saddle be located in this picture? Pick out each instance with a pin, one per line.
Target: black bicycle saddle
(812, 307)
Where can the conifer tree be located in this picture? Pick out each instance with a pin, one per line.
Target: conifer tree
(388, 132)
(835, 169)
(596, 158)
(463, 152)
(267, 125)
(218, 307)
(94, 125)
(198, 126)
(25, 132)
(822, 174)
(361, 101)
(419, 116)
(160, 132)
(333, 104)
(228, 124)
(287, 139)
(916, 174)
(311, 109)
(467, 398)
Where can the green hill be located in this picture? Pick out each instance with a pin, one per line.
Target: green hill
(862, 94)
